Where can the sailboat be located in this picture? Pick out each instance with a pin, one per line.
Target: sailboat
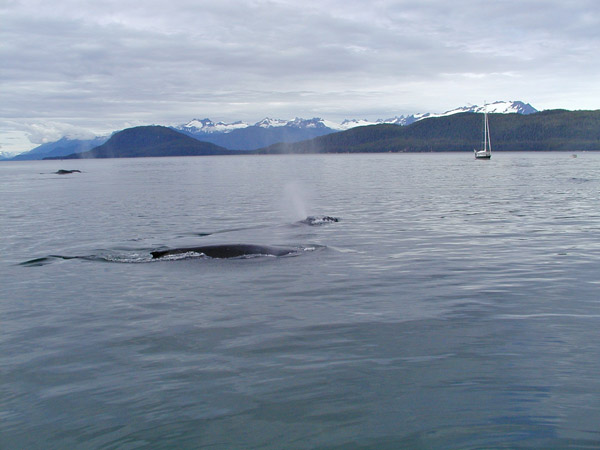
(486, 151)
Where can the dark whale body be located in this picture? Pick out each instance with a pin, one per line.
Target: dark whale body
(66, 172)
(228, 251)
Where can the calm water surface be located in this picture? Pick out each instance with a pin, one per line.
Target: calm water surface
(455, 305)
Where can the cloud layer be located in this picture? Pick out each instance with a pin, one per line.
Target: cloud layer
(105, 65)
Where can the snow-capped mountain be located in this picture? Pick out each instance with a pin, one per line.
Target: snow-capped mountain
(314, 123)
(207, 126)
(271, 123)
(243, 136)
(501, 107)
(298, 122)
(353, 123)
(507, 108)
(397, 120)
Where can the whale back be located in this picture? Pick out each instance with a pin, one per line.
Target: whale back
(227, 251)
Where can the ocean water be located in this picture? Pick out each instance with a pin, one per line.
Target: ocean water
(454, 305)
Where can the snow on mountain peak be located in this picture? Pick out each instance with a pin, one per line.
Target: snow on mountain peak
(205, 126)
(298, 122)
(267, 122)
(352, 123)
(208, 126)
(507, 108)
(500, 107)
(315, 122)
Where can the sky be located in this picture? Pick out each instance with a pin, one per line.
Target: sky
(80, 68)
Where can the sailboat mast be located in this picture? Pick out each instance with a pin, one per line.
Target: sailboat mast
(486, 149)
(488, 141)
(485, 130)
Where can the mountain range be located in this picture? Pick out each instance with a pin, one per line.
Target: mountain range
(243, 136)
(207, 126)
(551, 130)
(62, 147)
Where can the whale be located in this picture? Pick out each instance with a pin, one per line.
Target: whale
(228, 251)
(66, 172)
(319, 220)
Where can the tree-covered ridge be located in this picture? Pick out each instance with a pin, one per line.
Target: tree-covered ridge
(544, 131)
(148, 141)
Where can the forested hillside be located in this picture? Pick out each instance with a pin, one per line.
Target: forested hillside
(544, 131)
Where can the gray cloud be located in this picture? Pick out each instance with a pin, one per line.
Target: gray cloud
(102, 65)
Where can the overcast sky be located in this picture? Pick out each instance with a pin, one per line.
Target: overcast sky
(78, 68)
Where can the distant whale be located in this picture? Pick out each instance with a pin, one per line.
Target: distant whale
(65, 172)
(228, 251)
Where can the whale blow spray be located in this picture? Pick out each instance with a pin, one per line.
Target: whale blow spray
(295, 200)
